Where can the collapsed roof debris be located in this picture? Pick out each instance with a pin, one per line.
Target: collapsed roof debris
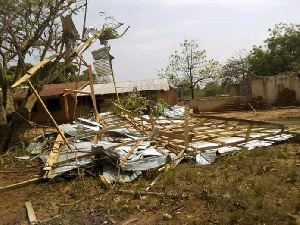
(130, 143)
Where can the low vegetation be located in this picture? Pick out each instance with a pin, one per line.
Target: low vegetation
(260, 186)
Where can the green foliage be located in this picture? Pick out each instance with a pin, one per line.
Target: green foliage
(137, 103)
(213, 89)
(67, 73)
(235, 69)
(190, 67)
(134, 102)
(109, 33)
(281, 52)
(158, 109)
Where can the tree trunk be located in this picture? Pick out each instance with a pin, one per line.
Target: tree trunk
(191, 84)
(14, 125)
(192, 92)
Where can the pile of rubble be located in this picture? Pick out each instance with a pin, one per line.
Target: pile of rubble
(120, 147)
(253, 104)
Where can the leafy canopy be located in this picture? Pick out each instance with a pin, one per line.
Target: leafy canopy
(190, 67)
(281, 52)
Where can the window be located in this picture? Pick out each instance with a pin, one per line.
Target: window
(53, 104)
(149, 95)
(34, 108)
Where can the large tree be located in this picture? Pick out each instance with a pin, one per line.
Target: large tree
(189, 67)
(281, 52)
(38, 28)
(236, 68)
(27, 28)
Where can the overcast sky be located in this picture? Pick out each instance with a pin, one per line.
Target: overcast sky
(157, 27)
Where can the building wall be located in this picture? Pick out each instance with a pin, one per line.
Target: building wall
(235, 90)
(85, 106)
(269, 87)
(63, 115)
(170, 96)
(215, 104)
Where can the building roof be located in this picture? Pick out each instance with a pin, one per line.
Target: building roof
(52, 89)
(125, 87)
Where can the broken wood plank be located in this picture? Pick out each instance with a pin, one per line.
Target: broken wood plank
(51, 117)
(30, 102)
(281, 126)
(172, 135)
(30, 72)
(54, 152)
(198, 124)
(30, 213)
(20, 184)
(186, 127)
(234, 143)
(91, 79)
(114, 80)
(52, 158)
(87, 43)
(130, 152)
(248, 131)
(130, 221)
(165, 168)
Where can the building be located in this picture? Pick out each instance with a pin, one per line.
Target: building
(267, 87)
(62, 106)
(154, 89)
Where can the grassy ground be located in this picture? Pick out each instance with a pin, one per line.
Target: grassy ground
(260, 186)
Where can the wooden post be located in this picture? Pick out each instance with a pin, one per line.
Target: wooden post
(51, 117)
(248, 131)
(97, 116)
(66, 107)
(113, 76)
(186, 126)
(152, 122)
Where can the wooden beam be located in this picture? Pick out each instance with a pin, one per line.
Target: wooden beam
(33, 70)
(248, 131)
(186, 127)
(235, 143)
(66, 107)
(30, 213)
(172, 135)
(91, 78)
(51, 117)
(114, 80)
(255, 122)
(130, 153)
(20, 184)
(52, 158)
(30, 102)
(198, 124)
(87, 43)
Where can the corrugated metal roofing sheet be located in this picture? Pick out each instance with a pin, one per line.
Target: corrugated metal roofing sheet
(52, 89)
(125, 87)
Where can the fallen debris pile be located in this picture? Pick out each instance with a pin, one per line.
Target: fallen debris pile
(120, 147)
(254, 104)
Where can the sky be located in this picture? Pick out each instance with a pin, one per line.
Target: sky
(157, 27)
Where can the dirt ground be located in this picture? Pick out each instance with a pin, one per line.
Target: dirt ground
(248, 187)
